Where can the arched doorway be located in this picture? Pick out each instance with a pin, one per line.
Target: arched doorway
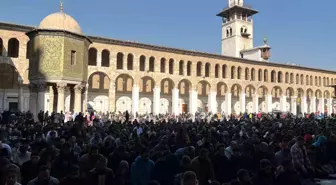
(98, 92)
(123, 91)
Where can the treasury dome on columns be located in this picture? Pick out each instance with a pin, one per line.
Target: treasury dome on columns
(58, 60)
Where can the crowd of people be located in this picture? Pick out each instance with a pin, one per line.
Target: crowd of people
(201, 149)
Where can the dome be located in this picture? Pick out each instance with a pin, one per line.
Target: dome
(60, 21)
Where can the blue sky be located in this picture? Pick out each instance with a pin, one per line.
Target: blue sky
(299, 31)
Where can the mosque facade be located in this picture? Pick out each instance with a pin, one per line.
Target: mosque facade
(56, 67)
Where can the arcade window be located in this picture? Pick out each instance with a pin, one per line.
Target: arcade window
(73, 57)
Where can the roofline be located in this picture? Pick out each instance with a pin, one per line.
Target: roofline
(25, 28)
(56, 30)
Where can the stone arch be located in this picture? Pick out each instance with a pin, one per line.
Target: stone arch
(217, 71)
(130, 59)
(142, 63)
(199, 69)
(13, 47)
(163, 65)
(250, 91)
(297, 78)
(233, 72)
(120, 60)
(124, 104)
(236, 90)
(239, 72)
(151, 64)
(221, 89)
(184, 87)
(147, 84)
(301, 79)
(287, 78)
(171, 66)
(167, 85)
(280, 77)
(318, 93)
(224, 72)
(105, 62)
(8, 76)
(311, 80)
(247, 73)
(289, 92)
(300, 92)
(124, 83)
(307, 80)
(253, 74)
(99, 82)
(203, 88)
(207, 69)
(181, 67)
(260, 75)
(262, 91)
(265, 75)
(189, 66)
(93, 56)
(310, 93)
(276, 92)
(273, 76)
(291, 78)
(326, 94)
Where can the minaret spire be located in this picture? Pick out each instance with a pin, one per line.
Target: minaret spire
(61, 5)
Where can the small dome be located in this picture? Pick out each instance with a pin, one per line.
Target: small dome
(60, 21)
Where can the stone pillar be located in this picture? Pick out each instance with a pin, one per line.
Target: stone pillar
(193, 100)
(283, 102)
(304, 105)
(321, 105)
(255, 103)
(228, 110)
(40, 98)
(330, 106)
(112, 97)
(85, 98)
(60, 98)
(313, 105)
(51, 99)
(135, 100)
(78, 97)
(156, 100)
(293, 105)
(242, 100)
(175, 101)
(212, 107)
(20, 98)
(269, 103)
(99, 58)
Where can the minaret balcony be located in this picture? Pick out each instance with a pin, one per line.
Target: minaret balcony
(246, 35)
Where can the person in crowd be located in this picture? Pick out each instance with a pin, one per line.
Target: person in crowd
(202, 166)
(265, 176)
(22, 155)
(13, 175)
(284, 153)
(189, 178)
(44, 177)
(222, 165)
(123, 174)
(141, 168)
(64, 161)
(300, 158)
(287, 175)
(101, 175)
(73, 177)
(30, 168)
(88, 161)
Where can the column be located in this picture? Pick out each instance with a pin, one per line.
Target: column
(85, 98)
(269, 103)
(175, 101)
(283, 101)
(242, 100)
(193, 100)
(212, 107)
(228, 110)
(255, 103)
(313, 105)
(330, 106)
(156, 100)
(321, 105)
(40, 98)
(135, 100)
(304, 105)
(20, 98)
(78, 97)
(60, 99)
(293, 105)
(112, 97)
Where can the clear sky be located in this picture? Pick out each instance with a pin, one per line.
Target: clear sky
(299, 31)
